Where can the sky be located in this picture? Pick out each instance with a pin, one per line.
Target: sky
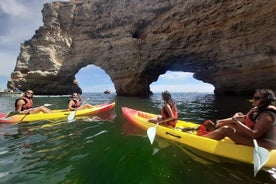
(20, 18)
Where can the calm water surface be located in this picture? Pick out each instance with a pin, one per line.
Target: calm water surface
(108, 149)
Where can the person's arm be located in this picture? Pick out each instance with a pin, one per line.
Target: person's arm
(19, 106)
(223, 122)
(239, 116)
(263, 124)
(155, 119)
(70, 105)
(170, 112)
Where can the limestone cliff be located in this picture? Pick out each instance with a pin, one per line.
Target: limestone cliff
(229, 44)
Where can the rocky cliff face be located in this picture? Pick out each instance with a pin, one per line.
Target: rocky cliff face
(229, 44)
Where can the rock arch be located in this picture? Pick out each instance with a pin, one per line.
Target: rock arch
(94, 79)
(229, 44)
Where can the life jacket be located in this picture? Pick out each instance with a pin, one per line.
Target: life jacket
(28, 103)
(205, 127)
(165, 115)
(250, 118)
(252, 115)
(77, 102)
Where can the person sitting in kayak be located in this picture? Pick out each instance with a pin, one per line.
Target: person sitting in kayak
(169, 113)
(24, 104)
(259, 123)
(74, 103)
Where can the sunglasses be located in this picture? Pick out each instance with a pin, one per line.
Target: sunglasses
(257, 97)
(31, 93)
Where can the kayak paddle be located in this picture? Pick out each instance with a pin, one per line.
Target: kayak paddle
(151, 132)
(5, 119)
(71, 116)
(24, 117)
(8, 117)
(12, 114)
(261, 156)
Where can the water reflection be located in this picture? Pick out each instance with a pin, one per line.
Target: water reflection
(108, 149)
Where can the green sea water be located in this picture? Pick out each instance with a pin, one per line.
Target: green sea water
(108, 149)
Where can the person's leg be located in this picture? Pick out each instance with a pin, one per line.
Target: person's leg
(219, 133)
(233, 133)
(155, 119)
(85, 106)
(45, 109)
(40, 109)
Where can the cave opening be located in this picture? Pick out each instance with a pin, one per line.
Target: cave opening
(93, 79)
(180, 82)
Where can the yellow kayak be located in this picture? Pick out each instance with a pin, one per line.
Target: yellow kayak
(55, 114)
(224, 148)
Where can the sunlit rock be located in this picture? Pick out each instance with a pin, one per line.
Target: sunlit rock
(229, 44)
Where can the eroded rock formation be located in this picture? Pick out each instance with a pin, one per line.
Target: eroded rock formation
(229, 44)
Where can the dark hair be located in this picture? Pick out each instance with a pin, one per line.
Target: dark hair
(167, 96)
(268, 96)
(168, 99)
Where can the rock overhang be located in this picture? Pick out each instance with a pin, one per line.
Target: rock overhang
(230, 45)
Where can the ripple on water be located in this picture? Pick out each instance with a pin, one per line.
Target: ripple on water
(3, 174)
(87, 151)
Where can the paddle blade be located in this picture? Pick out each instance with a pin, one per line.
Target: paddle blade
(9, 116)
(71, 116)
(12, 114)
(261, 156)
(5, 119)
(151, 132)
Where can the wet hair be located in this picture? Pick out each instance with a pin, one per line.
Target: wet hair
(268, 96)
(167, 96)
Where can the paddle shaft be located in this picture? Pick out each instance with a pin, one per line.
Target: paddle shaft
(84, 102)
(29, 110)
(24, 117)
(260, 154)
